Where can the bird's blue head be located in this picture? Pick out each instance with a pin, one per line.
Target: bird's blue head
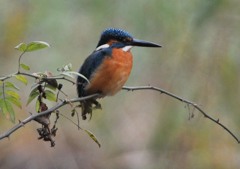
(111, 35)
(114, 34)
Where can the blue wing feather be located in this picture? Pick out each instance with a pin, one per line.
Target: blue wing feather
(88, 68)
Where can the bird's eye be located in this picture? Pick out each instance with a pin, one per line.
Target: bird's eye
(127, 39)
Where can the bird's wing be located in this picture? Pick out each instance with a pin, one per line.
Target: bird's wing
(89, 66)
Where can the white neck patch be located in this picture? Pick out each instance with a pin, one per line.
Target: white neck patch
(102, 47)
(127, 48)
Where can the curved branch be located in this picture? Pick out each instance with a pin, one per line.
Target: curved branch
(49, 111)
(59, 77)
(185, 101)
(2, 78)
(64, 102)
(19, 60)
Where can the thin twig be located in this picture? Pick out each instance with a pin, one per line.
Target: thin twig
(185, 101)
(36, 115)
(2, 78)
(59, 77)
(19, 60)
(64, 102)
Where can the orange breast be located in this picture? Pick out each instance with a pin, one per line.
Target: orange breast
(112, 74)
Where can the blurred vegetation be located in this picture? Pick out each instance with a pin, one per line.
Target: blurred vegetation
(199, 61)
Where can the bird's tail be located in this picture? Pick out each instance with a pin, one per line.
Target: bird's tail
(87, 107)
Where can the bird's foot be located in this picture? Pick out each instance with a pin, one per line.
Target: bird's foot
(97, 105)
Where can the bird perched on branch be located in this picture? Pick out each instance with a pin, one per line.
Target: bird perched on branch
(108, 67)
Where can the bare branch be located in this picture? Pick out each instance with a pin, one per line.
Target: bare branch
(185, 101)
(59, 77)
(19, 60)
(64, 102)
(36, 115)
(2, 78)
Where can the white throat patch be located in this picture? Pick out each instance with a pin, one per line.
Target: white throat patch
(127, 48)
(102, 47)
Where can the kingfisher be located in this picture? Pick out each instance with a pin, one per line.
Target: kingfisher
(108, 67)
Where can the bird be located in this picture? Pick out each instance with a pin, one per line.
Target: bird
(108, 67)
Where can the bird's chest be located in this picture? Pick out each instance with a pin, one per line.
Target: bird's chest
(111, 75)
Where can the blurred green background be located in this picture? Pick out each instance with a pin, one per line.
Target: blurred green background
(143, 129)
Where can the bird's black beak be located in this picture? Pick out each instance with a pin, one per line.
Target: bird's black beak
(137, 42)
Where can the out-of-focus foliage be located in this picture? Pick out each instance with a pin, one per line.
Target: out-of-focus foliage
(199, 61)
(8, 94)
(32, 46)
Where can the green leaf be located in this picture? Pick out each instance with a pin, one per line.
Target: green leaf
(71, 74)
(1, 104)
(22, 79)
(3, 107)
(25, 67)
(93, 137)
(7, 109)
(37, 105)
(34, 93)
(10, 111)
(50, 87)
(50, 95)
(36, 45)
(21, 47)
(14, 101)
(11, 85)
(13, 94)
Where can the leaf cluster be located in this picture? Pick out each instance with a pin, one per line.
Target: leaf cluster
(44, 88)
